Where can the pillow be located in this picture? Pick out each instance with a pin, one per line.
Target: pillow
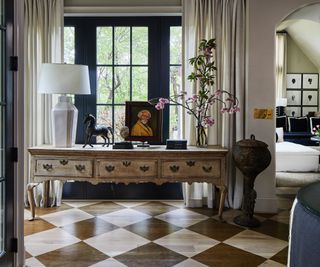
(313, 122)
(281, 121)
(298, 124)
(279, 135)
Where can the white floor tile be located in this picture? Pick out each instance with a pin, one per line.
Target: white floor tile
(182, 217)
(190, 263)
(130, 204)
(124, 217)
(186, 242)
(65, 217)
(79, 204)
(175, 203)
(116, 242)
(270, 263)
(49, 240)
(257, 243)
(33, 262)
(109, 262)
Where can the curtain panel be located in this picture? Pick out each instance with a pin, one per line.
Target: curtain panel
(43, 43)
(224, 20)
(281, 64)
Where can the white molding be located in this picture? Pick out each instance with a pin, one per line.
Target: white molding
(122, 10)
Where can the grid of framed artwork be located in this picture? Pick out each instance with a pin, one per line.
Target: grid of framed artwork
(302, 93)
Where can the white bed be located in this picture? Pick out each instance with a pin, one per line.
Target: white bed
(291, 157)
(296, 166)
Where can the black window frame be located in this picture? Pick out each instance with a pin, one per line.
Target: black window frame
(158, 62)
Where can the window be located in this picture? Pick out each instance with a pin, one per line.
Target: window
(129, 59)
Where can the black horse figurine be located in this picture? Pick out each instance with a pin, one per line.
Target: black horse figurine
(97, 130)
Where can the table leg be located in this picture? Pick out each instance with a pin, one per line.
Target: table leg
(31, 200)
(223, 192)
(46, 190)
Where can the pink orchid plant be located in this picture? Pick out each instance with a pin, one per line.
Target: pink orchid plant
(316, 130)
(199, 104)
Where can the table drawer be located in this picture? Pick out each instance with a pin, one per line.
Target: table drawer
(127, 168)
(63, 167)
(191, 168)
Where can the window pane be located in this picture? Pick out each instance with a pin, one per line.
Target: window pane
(69, 45)
(175, 80)
(121, 85)
(104, 117)
(140, 45)
(140, 83)
(175, 45)
(122, 45)
(2, 215)
(104, 85)
(104, 45)
(175, 122)
(119, 122)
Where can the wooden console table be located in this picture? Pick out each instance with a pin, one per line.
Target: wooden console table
(154, 164)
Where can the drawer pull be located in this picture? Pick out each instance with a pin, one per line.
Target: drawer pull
(144, 168)
(64, 162)
(207, 169)
(174, 168)
(126, 163)
(47, 167)
(110, 168)
(80, 168)
(190, 163)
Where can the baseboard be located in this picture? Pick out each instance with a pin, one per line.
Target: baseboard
(268, 205)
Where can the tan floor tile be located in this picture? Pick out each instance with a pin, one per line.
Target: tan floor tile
(79, 254)
(216, 229)
(79, 203)
(154, 208)
(283, 217)
(129, 204)
(190, 263)
(108, 263)
(257, 243)
(89, 228)
(150, 255)
(175, 203)
(101, 208)
(36, 226)
(33, 262)
(186, 242)
(271, 263)
(223, 255)
(152, 228)
(205, 211)
(44, 211)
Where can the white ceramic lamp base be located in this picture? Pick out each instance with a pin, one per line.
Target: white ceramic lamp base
(64, 122)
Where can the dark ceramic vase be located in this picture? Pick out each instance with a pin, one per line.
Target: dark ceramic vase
(251, 157)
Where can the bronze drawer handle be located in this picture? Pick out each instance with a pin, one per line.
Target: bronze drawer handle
(190, 163)
(64, 162)
(80, 167)
(144, 168)
(126, 163)
(47, 167)
(207, 169)
(174, 168)
(109, 168)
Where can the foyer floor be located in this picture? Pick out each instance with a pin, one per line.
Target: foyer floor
(151, 234)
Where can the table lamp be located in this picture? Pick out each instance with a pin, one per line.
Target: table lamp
(64, 79)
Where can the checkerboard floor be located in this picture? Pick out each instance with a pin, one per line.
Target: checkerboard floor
(151, 234)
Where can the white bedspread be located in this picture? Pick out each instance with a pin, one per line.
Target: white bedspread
(291, 157)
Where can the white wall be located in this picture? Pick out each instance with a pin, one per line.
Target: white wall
(263, 19)
(297, 61)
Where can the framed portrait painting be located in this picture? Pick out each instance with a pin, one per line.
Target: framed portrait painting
(144, 122)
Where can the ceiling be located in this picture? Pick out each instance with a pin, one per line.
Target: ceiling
(303, 26)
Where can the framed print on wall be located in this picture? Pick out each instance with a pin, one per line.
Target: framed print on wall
(310, 81)
(294, 97)
(144, 122)
(293, 111)
(310, 98)
(293, 81)
(306, 110)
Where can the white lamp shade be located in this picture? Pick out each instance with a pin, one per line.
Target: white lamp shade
(281, 102)
(64, 79)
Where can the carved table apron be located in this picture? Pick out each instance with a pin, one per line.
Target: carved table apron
(154, 164)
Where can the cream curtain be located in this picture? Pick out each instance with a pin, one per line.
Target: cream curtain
(225, 21)
(43, 39)
(281, 64)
